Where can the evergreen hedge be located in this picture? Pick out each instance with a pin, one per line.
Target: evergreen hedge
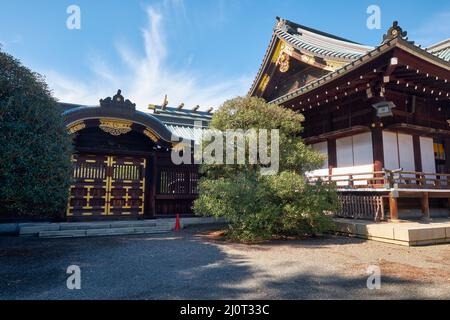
(35, 149)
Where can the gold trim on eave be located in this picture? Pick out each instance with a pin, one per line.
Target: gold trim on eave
(115, 127)
(77, 126)
(149, 133)
(264, 83)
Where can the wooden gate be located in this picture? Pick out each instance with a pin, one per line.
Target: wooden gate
(107, 186)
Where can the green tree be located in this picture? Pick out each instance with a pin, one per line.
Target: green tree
(35, 149)
(261, 206)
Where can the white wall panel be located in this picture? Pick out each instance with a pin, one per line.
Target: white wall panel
(390, 150)
(406, 152)
(322, 147)
(344, 152)
(427, 155)
(362, 149)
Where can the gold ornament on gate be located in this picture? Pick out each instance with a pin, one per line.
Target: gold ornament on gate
(151, 135)
(115, 127)
(76, 127)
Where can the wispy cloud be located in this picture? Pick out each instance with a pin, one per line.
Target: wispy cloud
(148, 76)
(433, 31)
(15, 39)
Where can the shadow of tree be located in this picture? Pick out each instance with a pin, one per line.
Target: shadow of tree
(173, 266)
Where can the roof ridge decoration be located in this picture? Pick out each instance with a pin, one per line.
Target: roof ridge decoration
(395, 32)
(117, 101)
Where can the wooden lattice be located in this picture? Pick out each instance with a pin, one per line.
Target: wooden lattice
(366, 207)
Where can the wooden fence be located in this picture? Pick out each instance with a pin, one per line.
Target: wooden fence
(367, 207)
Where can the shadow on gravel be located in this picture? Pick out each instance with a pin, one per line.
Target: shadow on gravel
(170, 266)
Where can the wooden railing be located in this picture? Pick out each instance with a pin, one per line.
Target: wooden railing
(386, 179)
(418, 180)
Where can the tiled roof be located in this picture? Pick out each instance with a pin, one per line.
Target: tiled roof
(184, 123)
(185, 132)
(443, 54)
(441, 50)
(360, 62)
(319, 43)
(315, 42)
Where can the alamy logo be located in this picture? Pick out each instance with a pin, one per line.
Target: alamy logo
(73, 21)
(74, 280)
(374, 280)
(374, 19)
(232, 147)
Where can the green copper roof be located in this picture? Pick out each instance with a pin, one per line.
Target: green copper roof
(318, 42)
(443, 54)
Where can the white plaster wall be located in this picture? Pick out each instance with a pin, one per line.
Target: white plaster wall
(427, 155)
(344, 152)
(406, 152)
(390, 150)
(362, 149)
(322, 147)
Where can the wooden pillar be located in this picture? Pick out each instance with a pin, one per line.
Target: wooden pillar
(425, 206)
(393, 207)
(447, 155)
(417, 153)
(448, 201)
(332, 155)
(377, 147)
(154, 184)
(378, 152)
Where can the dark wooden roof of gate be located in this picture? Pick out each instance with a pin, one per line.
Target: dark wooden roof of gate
(117, 108)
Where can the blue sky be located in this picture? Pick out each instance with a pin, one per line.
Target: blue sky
(196, 51)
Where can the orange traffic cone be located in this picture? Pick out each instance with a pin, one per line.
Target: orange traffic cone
(177, 223)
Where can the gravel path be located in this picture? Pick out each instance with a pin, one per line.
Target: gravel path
(189, 265)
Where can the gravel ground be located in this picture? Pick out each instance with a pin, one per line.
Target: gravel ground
(191, 265)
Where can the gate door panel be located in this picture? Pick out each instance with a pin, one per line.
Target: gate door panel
(88, 192)
(127, 186)
(107, 186)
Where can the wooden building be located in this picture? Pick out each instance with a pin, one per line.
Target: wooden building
(122, 162)
(380, 114)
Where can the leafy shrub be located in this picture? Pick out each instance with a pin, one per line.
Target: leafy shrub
(35, 149)
(260, 206)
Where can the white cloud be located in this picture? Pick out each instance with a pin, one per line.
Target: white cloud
(149, 76)
(433, 31)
